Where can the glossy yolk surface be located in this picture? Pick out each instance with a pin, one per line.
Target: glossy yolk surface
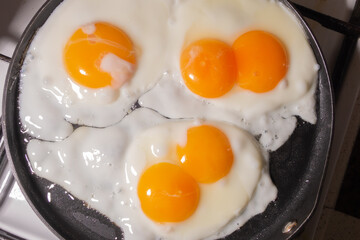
(86, 48)
(207, 155)
(208, 67)
(167, 193)
(262, 61)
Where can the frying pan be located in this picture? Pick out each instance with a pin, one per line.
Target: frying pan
(297, 168)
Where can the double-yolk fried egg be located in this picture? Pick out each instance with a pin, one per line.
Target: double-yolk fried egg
(89, 63)
(155, 179)
(244, 62)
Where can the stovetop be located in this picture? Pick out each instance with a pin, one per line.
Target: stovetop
(17, 219)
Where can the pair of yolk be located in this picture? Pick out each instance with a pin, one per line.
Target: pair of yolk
(257, 61)
(170, 192)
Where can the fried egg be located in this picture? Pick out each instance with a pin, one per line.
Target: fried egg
(244, 62)
(89, 63)
(115, 178)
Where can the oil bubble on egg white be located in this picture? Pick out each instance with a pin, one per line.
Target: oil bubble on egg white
(48, 94)
(106, 176)
(271, 114)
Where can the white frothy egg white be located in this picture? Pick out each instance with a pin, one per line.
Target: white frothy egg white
(269, 114)
(50, 100)
(103, 169)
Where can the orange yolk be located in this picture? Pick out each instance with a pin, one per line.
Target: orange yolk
(261, 61)
(208, 68)
(167, 193)
(85, 50)
(207, 155)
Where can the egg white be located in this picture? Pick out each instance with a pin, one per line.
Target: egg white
(270, 114)
(49, 97)
(102, 168)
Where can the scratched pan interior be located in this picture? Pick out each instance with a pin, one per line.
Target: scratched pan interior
(297, 168)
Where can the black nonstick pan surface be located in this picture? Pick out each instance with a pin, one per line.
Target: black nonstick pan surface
(297, 168)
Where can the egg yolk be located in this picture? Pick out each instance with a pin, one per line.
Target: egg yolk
(167, 193)
(207, 155)
(208, 67)
(262, 61)
(89, 46)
